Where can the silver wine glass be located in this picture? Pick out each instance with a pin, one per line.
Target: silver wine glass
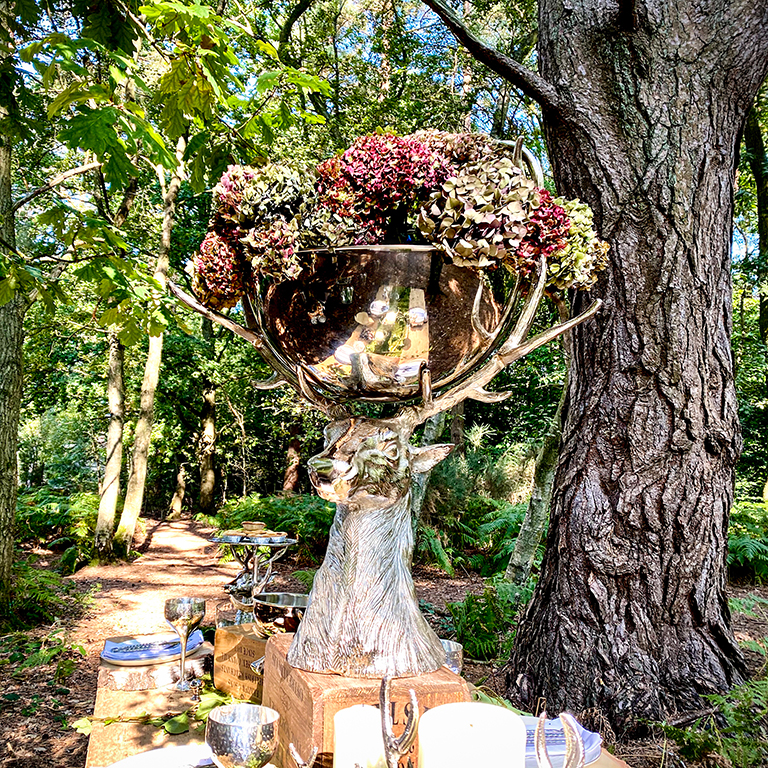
(184, 614)
(242, 735)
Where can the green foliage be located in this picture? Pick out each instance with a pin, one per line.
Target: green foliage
(306, 577)
(752, 605)
(172, 723)
(737, 734)
(748, 540)
(303, 517)
(37, 596)
(24, 652)
(485, 623)
(472, 510)
(62, 523)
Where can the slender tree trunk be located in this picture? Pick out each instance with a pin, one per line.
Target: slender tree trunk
(134, 495)
(537, 514)
(293, 461)
(110, 490)
(11, 382)
(240, 421)
(174, 510)
(630, 615)
(758, 160)
(433, 428)
(206, 446)
(457, 429)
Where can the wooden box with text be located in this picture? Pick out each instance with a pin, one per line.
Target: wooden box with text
(307, 701)
(235, 649)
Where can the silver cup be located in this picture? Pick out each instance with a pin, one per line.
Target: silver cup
(454, 655)
(242, 735)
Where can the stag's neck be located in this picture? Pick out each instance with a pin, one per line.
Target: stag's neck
(401, 506)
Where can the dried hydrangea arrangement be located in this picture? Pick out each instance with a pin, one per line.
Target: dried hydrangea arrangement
(461, 193)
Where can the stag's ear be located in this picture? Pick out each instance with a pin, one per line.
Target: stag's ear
(334, 430)
(423, 459)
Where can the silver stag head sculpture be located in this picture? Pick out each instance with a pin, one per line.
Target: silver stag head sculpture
(363, 618)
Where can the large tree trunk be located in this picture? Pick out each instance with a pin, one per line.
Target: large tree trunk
(110, 490)
(134, 495)
(630, 615)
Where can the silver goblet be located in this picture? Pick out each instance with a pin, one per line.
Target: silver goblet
(242, 735)
(184, 614)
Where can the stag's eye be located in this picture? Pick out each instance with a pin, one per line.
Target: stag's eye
(390, 450)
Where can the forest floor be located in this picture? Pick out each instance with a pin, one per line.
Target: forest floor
(38, 704)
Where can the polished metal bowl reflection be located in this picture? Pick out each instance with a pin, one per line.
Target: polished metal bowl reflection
(284, 609)
(242, 735)
(365, 322)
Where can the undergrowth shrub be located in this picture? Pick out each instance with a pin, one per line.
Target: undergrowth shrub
(304, 517)
(486, 624)
(474, 505)
(59, 522)
(748, 540)
(37, 597)
(736, 733)
(480, 535)
(24, 652)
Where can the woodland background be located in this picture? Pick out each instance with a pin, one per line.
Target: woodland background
(148, 105)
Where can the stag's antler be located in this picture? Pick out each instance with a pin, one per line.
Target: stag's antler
(297, 377)
(517, 345)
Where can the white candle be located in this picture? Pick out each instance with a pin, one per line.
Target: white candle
(471, 734)
(357, 738)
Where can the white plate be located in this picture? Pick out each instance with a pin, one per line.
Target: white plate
(188, 756)
(148, 649)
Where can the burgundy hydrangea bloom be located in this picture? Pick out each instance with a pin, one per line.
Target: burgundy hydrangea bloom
(218, 271)
(377, 175)
(548, 227)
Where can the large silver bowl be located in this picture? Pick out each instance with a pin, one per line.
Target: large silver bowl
(367, 321)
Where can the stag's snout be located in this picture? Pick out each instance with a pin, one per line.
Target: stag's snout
(331, 477)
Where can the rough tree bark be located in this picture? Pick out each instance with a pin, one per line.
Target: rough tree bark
(206, 446)
(110, 490)
(134, 495)
(644, 103)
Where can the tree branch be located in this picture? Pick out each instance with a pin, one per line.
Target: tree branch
(283, 46)
(520, 76)
(54, 182)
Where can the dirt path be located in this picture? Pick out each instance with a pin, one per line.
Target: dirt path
(35, 709)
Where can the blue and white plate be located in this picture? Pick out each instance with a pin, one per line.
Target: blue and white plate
(148, 649)
(553, 729)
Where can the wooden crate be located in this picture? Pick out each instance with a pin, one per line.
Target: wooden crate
(235, 649)
(307, 701)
